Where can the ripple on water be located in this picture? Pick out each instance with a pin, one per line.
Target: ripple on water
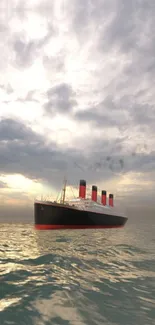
(75, 277)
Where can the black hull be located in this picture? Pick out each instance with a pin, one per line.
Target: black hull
(56, 216)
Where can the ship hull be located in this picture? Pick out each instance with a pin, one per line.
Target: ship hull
(56, 216)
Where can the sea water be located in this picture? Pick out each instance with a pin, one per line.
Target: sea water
(78, 277)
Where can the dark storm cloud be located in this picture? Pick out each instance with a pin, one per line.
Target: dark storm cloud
(144, 115)
(121, 114)
(61, 98)
(11, 130)
(23, 151)
(102, 118)
(135, 112)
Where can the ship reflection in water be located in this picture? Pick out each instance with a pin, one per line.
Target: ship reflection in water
(76, 277)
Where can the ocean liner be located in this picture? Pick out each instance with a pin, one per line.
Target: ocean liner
(79, 213)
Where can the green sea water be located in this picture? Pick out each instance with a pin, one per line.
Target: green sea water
(78, 277)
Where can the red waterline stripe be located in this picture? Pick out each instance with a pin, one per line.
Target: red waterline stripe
(47, 227)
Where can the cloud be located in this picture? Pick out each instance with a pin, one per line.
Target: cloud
(121, 31)
(89, 66)
(28, 98)
(3, 185)
(27, 50)
(25, 43)
(11, 130)
(61, 98)
(126, 114)
(103, 117)
(14, 196)
(23, 151)
(54, 63)
(7, 88)
(24, 51)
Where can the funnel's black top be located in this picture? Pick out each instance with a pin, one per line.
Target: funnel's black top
(94, 188)
(104, 192)
(82, 182)
(111, 196)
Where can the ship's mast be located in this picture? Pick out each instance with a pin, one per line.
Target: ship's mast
(64, 191)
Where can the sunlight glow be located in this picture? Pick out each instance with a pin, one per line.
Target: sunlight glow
(20, 182)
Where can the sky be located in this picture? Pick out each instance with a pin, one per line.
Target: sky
(76, 100)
